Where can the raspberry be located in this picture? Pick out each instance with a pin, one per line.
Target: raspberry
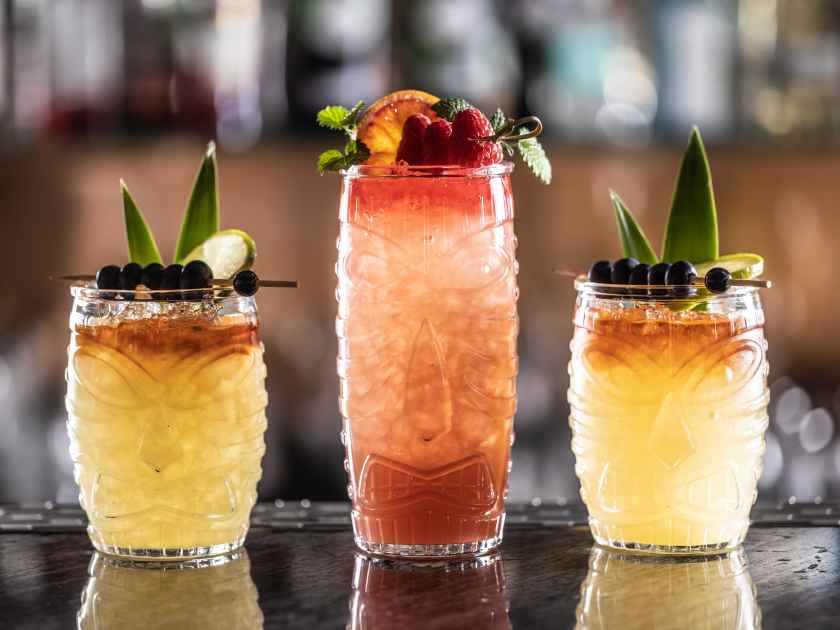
(479, 153)
(468, 126)
(437, 144)
(410, 149)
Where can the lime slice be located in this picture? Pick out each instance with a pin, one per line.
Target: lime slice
(226, 251)
(741, 266)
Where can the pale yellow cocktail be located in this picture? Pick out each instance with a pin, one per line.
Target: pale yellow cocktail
(166, 404)
(668, 412)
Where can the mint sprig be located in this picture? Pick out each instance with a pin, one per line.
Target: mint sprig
(530, 149)
(355, 151)
(448, 108)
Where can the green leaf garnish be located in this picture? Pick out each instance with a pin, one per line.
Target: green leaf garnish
(534, 156)
(333, 117)
(634, 243)
(142, 247)
(448, 108)
(692, 231)
(352, 117)
(201, 218)
(355, 151)
(498, 121)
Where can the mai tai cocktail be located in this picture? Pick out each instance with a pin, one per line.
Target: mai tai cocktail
(427, 326)
(166, 390)
(668, 389)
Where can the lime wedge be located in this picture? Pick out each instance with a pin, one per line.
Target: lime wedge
(226, 251)
(741, 266)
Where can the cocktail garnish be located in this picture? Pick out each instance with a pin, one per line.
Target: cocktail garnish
(201, 217)
(202, 253)
(417, 129)
(690, 244)
(338, 118)
(142, 247)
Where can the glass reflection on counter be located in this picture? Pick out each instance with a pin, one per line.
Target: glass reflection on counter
(632, 591)
(404, 594)
(207, 594)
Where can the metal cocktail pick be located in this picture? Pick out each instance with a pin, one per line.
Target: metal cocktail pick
(220, 283)
(698, 282)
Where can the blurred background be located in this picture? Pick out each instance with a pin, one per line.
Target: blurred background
(95, 90)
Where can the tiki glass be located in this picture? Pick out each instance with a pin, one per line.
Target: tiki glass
(427, 329)
(166, 402)
(668, 405)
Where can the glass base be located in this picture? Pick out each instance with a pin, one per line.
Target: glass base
(667, 550)
(169, 554)
(727, 536)
(452, 550)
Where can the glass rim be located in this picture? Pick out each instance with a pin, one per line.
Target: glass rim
(89, 292)
(608, 291)
(404, 170)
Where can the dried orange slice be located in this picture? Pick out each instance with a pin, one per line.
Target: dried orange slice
(381, 126)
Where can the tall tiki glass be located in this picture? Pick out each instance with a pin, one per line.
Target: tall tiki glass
(668, 412)
(427, 328)
(166, 402)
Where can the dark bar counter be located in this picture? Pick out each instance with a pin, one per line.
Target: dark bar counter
(300, 569)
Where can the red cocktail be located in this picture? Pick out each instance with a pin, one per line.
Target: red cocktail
(427, 328)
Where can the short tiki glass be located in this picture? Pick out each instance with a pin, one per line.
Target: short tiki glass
(668, 413)
(166, 403)
(166, 388)
(668, 381)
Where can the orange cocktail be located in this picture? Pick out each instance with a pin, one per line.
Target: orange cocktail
(427, 328)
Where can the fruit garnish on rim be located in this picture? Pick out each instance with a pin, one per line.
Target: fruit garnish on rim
(414, 128)
(206, 257)
(690, 262)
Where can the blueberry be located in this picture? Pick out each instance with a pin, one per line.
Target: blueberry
(656, 275)
(639, 276)
(718, 280)
(246, 283)
(196, 275)
(152, 276)
(622, 269)
(601, 272)
(171, 280)
(682, 274)
(108, 278)
(130, 276)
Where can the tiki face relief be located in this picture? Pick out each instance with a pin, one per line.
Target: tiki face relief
(166, 424)
(427, 352)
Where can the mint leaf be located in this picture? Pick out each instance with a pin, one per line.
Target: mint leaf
(448, 108)
(534, 156)
(498, 121)
(692, 231)
(142, 248)
(352, 117)
(634, 243)
(355, 152)
(201, 218)
(333, 117)
(329, 160)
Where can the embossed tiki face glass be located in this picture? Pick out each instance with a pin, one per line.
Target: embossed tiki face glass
(668, 405)
(427, 327)
(166, 403)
